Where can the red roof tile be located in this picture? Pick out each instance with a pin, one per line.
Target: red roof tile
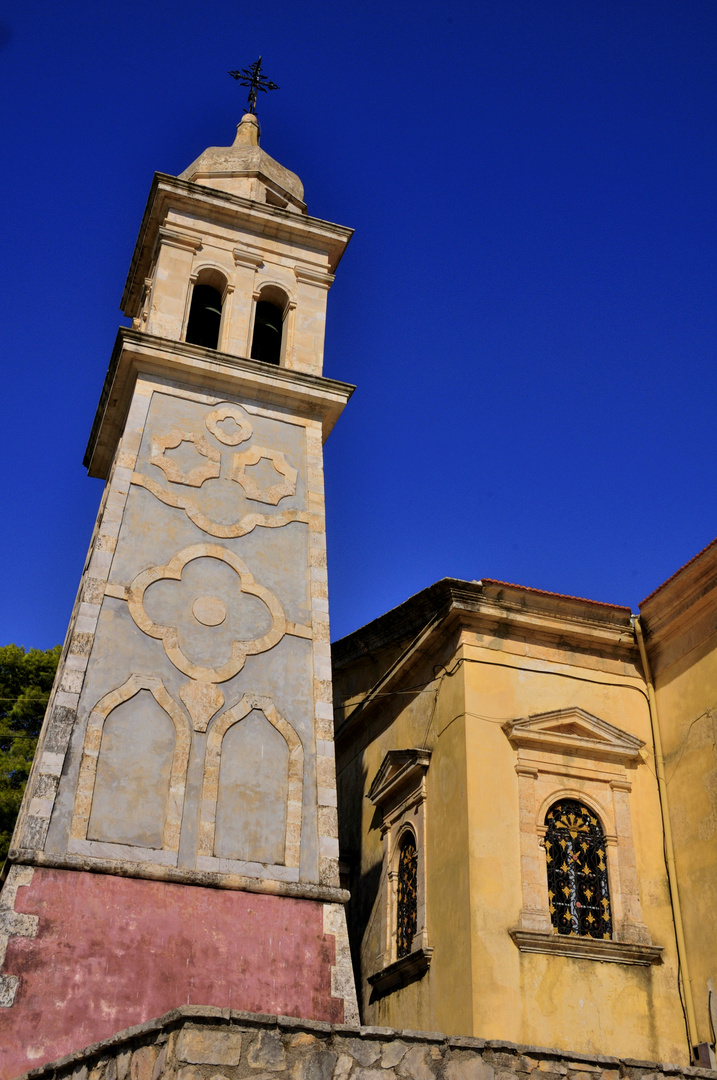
(546, 592)
(678, 572)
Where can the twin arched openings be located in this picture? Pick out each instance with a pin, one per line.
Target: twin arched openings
(205, 317)
(576, 858)
(131, 789)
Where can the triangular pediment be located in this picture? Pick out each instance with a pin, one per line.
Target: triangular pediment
(576, 732)
(398, 770)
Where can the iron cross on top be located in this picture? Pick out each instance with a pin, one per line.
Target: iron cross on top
(254, 80)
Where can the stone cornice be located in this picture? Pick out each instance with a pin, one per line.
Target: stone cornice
(206, 369)
(487, 605)
(573, 732)
(684, 607)
(401, 971)
(564, 623)
(303, 890)
(400, 770)
(587, 948)
(211, 204)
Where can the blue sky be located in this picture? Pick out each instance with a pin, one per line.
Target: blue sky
(527, 307)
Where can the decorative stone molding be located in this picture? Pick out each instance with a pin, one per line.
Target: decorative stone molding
(307, 275)
(168, 635)
(90, 758)
(399, 791)
(569, 753)
(177, 239)
(244, 257)
(401, 971)
(587, 948)
(205, 470)
(275, 492)
(229, 412)
(576, 732)
(220, 530)
(210, 787)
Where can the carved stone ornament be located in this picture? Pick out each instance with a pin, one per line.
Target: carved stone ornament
(571, 754)
(274, 493)
(206, 470)
(244, 429)
(91, 750)
(574, 731)
(220, 530)
(168, 635)
(210, 785)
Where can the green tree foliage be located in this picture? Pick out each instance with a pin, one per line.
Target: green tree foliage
(25, 684)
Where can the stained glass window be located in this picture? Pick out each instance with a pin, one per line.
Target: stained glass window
(577, 871)
(407, 897)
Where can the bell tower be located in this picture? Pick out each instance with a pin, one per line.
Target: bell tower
(178, 839)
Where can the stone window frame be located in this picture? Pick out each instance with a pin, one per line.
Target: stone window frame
(209, 273)
(399, 791)
(572, 754)
(282, 296)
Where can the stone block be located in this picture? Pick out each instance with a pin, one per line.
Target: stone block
(267, 1052)
(343, 1067)
(303, 1038)
(209, 1046)
(467, 1066)
(159, 1065)
(392, 1053)
(365, 1053)
(123, 1063)
(418, 1064)
(189, 1072)
(142, 1064)
(315, 1066)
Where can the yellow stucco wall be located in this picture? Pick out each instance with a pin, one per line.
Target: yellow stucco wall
(441, 999)
(683, 654)
(479, 982)
(553, 1000)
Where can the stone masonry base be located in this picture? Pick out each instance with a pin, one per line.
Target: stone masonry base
(203, 1043)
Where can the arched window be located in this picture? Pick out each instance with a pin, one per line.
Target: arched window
(577, 871)
(406, 895)
(205, 316)
(266, 344)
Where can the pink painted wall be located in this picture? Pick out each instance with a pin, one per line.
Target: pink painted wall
(112, 952)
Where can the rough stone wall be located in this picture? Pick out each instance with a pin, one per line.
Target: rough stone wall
(195, 1043)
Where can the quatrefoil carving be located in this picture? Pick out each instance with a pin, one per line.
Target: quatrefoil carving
(274, 493)
(206, 470)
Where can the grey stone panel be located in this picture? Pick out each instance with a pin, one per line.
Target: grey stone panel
(129, 805)
(253, 787)
(152, 533)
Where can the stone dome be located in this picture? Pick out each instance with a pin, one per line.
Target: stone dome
(247, 170)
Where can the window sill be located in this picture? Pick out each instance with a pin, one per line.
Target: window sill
(402, 971)
(587, 948)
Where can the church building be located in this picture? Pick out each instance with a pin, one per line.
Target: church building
(528, 815)
(492, 811)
